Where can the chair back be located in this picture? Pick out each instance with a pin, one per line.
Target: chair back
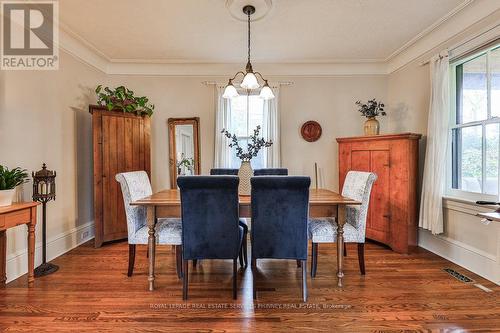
(358, 186)
(271, 172)
(135, 185)
(280, 209)
(209, 210)
(223, 172)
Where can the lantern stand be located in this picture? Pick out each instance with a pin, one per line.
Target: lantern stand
(44, 190)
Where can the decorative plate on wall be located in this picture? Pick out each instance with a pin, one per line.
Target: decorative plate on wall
(311, 131)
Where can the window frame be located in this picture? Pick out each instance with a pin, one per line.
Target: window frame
(453, 121)
(247, 94)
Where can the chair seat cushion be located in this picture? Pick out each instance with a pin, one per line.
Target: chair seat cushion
(168, 231)
(324, 230)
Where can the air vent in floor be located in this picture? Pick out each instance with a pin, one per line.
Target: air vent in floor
(458, 276)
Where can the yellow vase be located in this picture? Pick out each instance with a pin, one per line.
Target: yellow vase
(372, 126)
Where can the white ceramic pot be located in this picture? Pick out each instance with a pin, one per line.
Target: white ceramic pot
(7, 197)
(245, 173)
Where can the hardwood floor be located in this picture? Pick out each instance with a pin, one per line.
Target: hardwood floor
(92, 293)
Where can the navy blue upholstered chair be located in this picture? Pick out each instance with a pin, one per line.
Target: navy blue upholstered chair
(271, 172)
(280, 210)
(210, 229)
(243, 222)
(224, 172)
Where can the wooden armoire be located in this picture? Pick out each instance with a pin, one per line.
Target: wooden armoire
(392, 213)
(121, 143)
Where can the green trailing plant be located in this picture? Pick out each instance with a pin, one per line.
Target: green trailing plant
(122, 98)
(253, 147)
(372, 108)
(9, 179)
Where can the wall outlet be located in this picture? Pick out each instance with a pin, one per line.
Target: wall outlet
(85, 235)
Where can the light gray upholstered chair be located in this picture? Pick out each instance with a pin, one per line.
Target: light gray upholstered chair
(135, 185)
(357, 186)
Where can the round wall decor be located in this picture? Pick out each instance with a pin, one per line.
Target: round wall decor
(311, 131)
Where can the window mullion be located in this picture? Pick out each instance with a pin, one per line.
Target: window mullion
(488, 85)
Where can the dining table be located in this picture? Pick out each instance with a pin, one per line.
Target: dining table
(322, 203)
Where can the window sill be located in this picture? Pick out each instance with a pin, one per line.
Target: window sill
(466, 206)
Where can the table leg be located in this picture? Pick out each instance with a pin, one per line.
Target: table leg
(31, 254)
(3, 257)
(340, 242)
(152, 249)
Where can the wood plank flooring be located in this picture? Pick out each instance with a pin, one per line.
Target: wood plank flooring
(400, 293)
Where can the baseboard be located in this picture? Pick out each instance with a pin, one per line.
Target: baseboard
(474, 261)
(17, 263)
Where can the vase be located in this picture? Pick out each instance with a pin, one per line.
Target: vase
(7, 197)
(245, 173)
(372, 126)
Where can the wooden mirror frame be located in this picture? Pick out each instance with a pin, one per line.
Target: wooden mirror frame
(172, 122)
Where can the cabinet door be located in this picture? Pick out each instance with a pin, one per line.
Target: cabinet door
(360, 160)
(378, 224)
(123, 150)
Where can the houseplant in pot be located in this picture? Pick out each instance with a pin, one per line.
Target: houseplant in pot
(371, 110)
(254, 145)
(9, 180)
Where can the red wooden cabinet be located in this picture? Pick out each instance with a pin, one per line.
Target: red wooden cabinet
(121, 143)
(392, 214)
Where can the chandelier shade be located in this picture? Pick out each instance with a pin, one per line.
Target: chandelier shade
(250, 78)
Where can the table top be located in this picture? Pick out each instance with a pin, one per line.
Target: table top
(316, 197)
(17, 206)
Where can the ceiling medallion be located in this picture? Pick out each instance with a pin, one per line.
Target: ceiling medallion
(250, 81)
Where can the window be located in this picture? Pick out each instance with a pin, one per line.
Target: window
(475, 129)
(247, 112)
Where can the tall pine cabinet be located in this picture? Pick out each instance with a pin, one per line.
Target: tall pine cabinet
(393, 210)
(121, 143)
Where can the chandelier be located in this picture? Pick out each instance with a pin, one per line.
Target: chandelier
(250, 81)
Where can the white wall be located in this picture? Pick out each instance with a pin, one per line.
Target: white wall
(44, 118)
(330, 101)
(466, 241)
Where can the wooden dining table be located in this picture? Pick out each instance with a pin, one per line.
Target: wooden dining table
(322, 203)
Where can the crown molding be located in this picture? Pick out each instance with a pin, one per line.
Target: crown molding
(462, 17)
(478, 16)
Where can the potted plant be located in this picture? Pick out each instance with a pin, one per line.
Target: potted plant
(185, 162)
(9, 180)
(371, 110)
(122, 98)
(253, 147)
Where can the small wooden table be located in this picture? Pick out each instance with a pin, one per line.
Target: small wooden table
(12, 216)
(322, 203)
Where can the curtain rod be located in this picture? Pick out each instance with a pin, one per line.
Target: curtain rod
(428, 61)
(215, 83)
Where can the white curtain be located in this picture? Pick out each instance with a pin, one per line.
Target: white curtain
(271, 130)
(222, 157)
(431, 205)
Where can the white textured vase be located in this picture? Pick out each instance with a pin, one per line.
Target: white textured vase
(6, 197)
(245, 173)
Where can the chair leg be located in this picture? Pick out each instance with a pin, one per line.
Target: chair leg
(235, 275)
(345, 250)
(245, 249)
(304, 280)
(178, 260)
(131, 259)
(314, 259)
(185, 270)
(254, 276)
(195, 262)
(299, 264)
(361, 257)
(240, 256)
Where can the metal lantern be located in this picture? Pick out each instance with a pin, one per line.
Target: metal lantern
(44, 190)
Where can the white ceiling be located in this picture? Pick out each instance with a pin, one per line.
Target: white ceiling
(203, 31)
